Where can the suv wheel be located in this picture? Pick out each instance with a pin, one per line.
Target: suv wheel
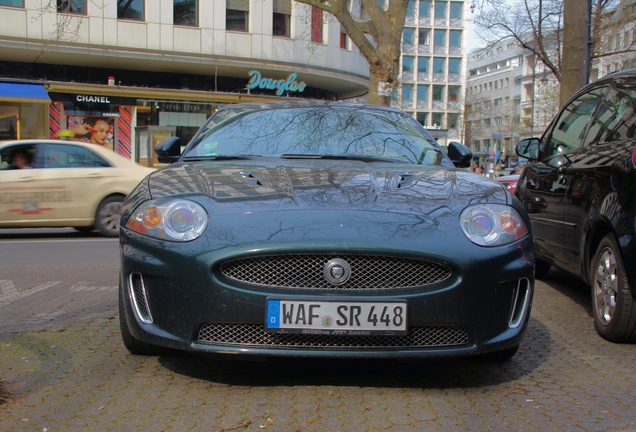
(613, 306)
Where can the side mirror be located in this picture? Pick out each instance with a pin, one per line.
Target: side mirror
(459, 154)
(529, 148)
(168, 150)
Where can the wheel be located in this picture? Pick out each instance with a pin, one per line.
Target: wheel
(541, 268)
(613, 306)
(502, 355)
(84, 229)
(132, 344)
(108, 216)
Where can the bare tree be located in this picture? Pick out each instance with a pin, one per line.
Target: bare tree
(537, 25)
(377, 33)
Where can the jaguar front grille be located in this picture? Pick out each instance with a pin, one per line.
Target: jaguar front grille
(254, 335)
(306, 271)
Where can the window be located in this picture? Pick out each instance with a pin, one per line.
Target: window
(282, 18)
(407, 64)
(15, 3)
(454, 65)
(408, 36)
(422, 92)
(437, 119)
(456, 10)
(410, 9)
(422, 64)
(569, 128)
(71, 6)
(438, 64)
(65, 156)
(130, 9)
(423, 37)
(440, 9)
(186, 12)
(438, 93)
(425, 9)
(316, 24)
(616, 117)
(421, 118)
(455, 38)
(344, 39)
(453, 120)
(236, 15)
(439, 37)
(407, 92)
(453, 93)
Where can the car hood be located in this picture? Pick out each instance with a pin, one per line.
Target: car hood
(275, 184)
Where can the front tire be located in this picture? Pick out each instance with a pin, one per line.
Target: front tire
(501, 356)
(108, 216)
(613, 306)
(541, 268)
(132, 344)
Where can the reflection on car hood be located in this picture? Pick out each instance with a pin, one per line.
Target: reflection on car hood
(274, 184)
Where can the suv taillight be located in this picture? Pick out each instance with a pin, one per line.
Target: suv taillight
(634, 157)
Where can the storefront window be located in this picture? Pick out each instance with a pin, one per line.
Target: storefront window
(130, 9)
(71, 6)
(22, 120)
(186, 12)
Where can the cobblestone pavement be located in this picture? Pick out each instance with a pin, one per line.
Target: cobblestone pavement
(64, 365)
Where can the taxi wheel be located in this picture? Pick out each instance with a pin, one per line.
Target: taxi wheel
(84, 229)
(108, 216)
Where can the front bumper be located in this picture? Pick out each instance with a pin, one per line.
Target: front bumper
(175, 297)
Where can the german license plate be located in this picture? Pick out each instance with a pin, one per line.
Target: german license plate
(336, 317)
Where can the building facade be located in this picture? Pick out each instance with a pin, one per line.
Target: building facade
(509, 96)
(433, 64)
(151, 69)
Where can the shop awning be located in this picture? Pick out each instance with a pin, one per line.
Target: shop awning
(23, 92)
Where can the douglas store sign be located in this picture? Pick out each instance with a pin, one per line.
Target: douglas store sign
(290, 84)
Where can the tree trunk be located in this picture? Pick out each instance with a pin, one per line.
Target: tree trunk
(574, 67)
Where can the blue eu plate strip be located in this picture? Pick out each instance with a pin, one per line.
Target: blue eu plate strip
(273, 313)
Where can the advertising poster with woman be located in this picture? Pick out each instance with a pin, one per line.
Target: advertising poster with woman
(91, 129)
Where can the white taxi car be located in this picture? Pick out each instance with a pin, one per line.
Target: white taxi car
(51, 183)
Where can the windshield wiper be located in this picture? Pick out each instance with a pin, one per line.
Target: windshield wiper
(361, 158)
(220, 157)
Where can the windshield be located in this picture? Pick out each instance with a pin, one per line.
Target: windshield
(318, 132)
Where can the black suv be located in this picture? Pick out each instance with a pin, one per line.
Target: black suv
(582, 172)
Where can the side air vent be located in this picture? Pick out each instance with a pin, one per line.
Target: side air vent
(140, 297)
(520, 303)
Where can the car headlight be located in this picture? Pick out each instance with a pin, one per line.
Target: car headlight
(492, 224)
(169, 219)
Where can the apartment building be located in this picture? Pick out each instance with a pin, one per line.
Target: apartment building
(617, 43)
(509, 96)
(159, 68)
(433, 64)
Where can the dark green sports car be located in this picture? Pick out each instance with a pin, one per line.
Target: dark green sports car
(322, 229)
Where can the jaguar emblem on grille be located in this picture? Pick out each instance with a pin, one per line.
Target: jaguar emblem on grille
(337, 271)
